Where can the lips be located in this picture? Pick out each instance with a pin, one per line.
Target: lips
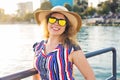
(55, 28)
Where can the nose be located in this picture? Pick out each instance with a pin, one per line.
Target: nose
(56, 23)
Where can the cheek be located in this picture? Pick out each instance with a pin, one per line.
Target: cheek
(50, 30)
(63, 29)
(48, 26)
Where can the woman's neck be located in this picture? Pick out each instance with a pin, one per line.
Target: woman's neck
(53, 40)
(51, 44)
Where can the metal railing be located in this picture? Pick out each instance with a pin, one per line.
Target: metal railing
(30, 72)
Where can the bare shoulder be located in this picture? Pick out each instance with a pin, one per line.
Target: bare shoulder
(76, 55)
(78, 58)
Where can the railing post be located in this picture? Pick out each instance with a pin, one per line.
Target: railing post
(114, 63)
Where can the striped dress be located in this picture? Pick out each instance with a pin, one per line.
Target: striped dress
(54, 65)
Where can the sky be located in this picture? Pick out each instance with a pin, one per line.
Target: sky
(10, 6)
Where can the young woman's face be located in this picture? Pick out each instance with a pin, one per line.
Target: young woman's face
(56, 24)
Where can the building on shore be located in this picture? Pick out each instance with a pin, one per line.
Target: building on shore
(24, 8)
(2, 11)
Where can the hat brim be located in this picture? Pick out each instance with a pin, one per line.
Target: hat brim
(74, 18)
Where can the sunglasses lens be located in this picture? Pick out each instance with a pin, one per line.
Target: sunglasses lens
(62, 22)
(52, 20)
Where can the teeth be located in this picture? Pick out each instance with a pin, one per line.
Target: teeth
(55, 28)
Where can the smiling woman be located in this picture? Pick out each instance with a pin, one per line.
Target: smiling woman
(57, 53)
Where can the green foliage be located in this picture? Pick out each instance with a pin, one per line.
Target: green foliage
(46, 6)
(114, 6)
(68, 6)
(90, 11)
(104, 8)
(118, 9)
(28, 17)
(107, 6)
(78, 9)
(5, 18)
(84, 4)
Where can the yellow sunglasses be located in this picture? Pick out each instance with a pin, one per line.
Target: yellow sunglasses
(61, 22)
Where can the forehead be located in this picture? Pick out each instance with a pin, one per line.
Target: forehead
(58, 15)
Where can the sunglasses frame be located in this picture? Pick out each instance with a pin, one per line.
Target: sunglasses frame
(58, 21)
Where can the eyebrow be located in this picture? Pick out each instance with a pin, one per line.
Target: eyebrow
(57, 18)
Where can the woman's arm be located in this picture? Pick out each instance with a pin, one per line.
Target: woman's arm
(36, 77)
(79, 59)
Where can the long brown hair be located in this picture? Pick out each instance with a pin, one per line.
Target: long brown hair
(68, 36)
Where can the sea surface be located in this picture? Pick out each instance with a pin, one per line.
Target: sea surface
(16, 52)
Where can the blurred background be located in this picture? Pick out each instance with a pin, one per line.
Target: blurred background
(19, 31)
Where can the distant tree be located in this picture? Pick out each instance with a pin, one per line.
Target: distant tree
(5, 18)
(75, 8)
(46, 5)
(114, 6)
(68, 6)
(104, 8)
(78, 2)
(28, 17)
(85, 4)
(118, 9)
(90, 11)
(78, 9)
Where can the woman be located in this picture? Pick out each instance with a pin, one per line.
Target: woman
(55, 56)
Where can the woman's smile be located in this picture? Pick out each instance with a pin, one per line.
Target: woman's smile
(55, 28)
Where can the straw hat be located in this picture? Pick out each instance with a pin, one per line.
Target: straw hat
(73, 17)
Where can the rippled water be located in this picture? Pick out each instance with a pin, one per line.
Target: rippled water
(16, 52)
(94, 38)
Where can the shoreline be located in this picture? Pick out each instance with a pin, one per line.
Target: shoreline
(84, 23)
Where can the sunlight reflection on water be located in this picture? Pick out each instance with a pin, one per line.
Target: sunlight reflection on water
(16, 53)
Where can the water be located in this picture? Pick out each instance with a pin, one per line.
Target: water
(94, 38)
(16, 53)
